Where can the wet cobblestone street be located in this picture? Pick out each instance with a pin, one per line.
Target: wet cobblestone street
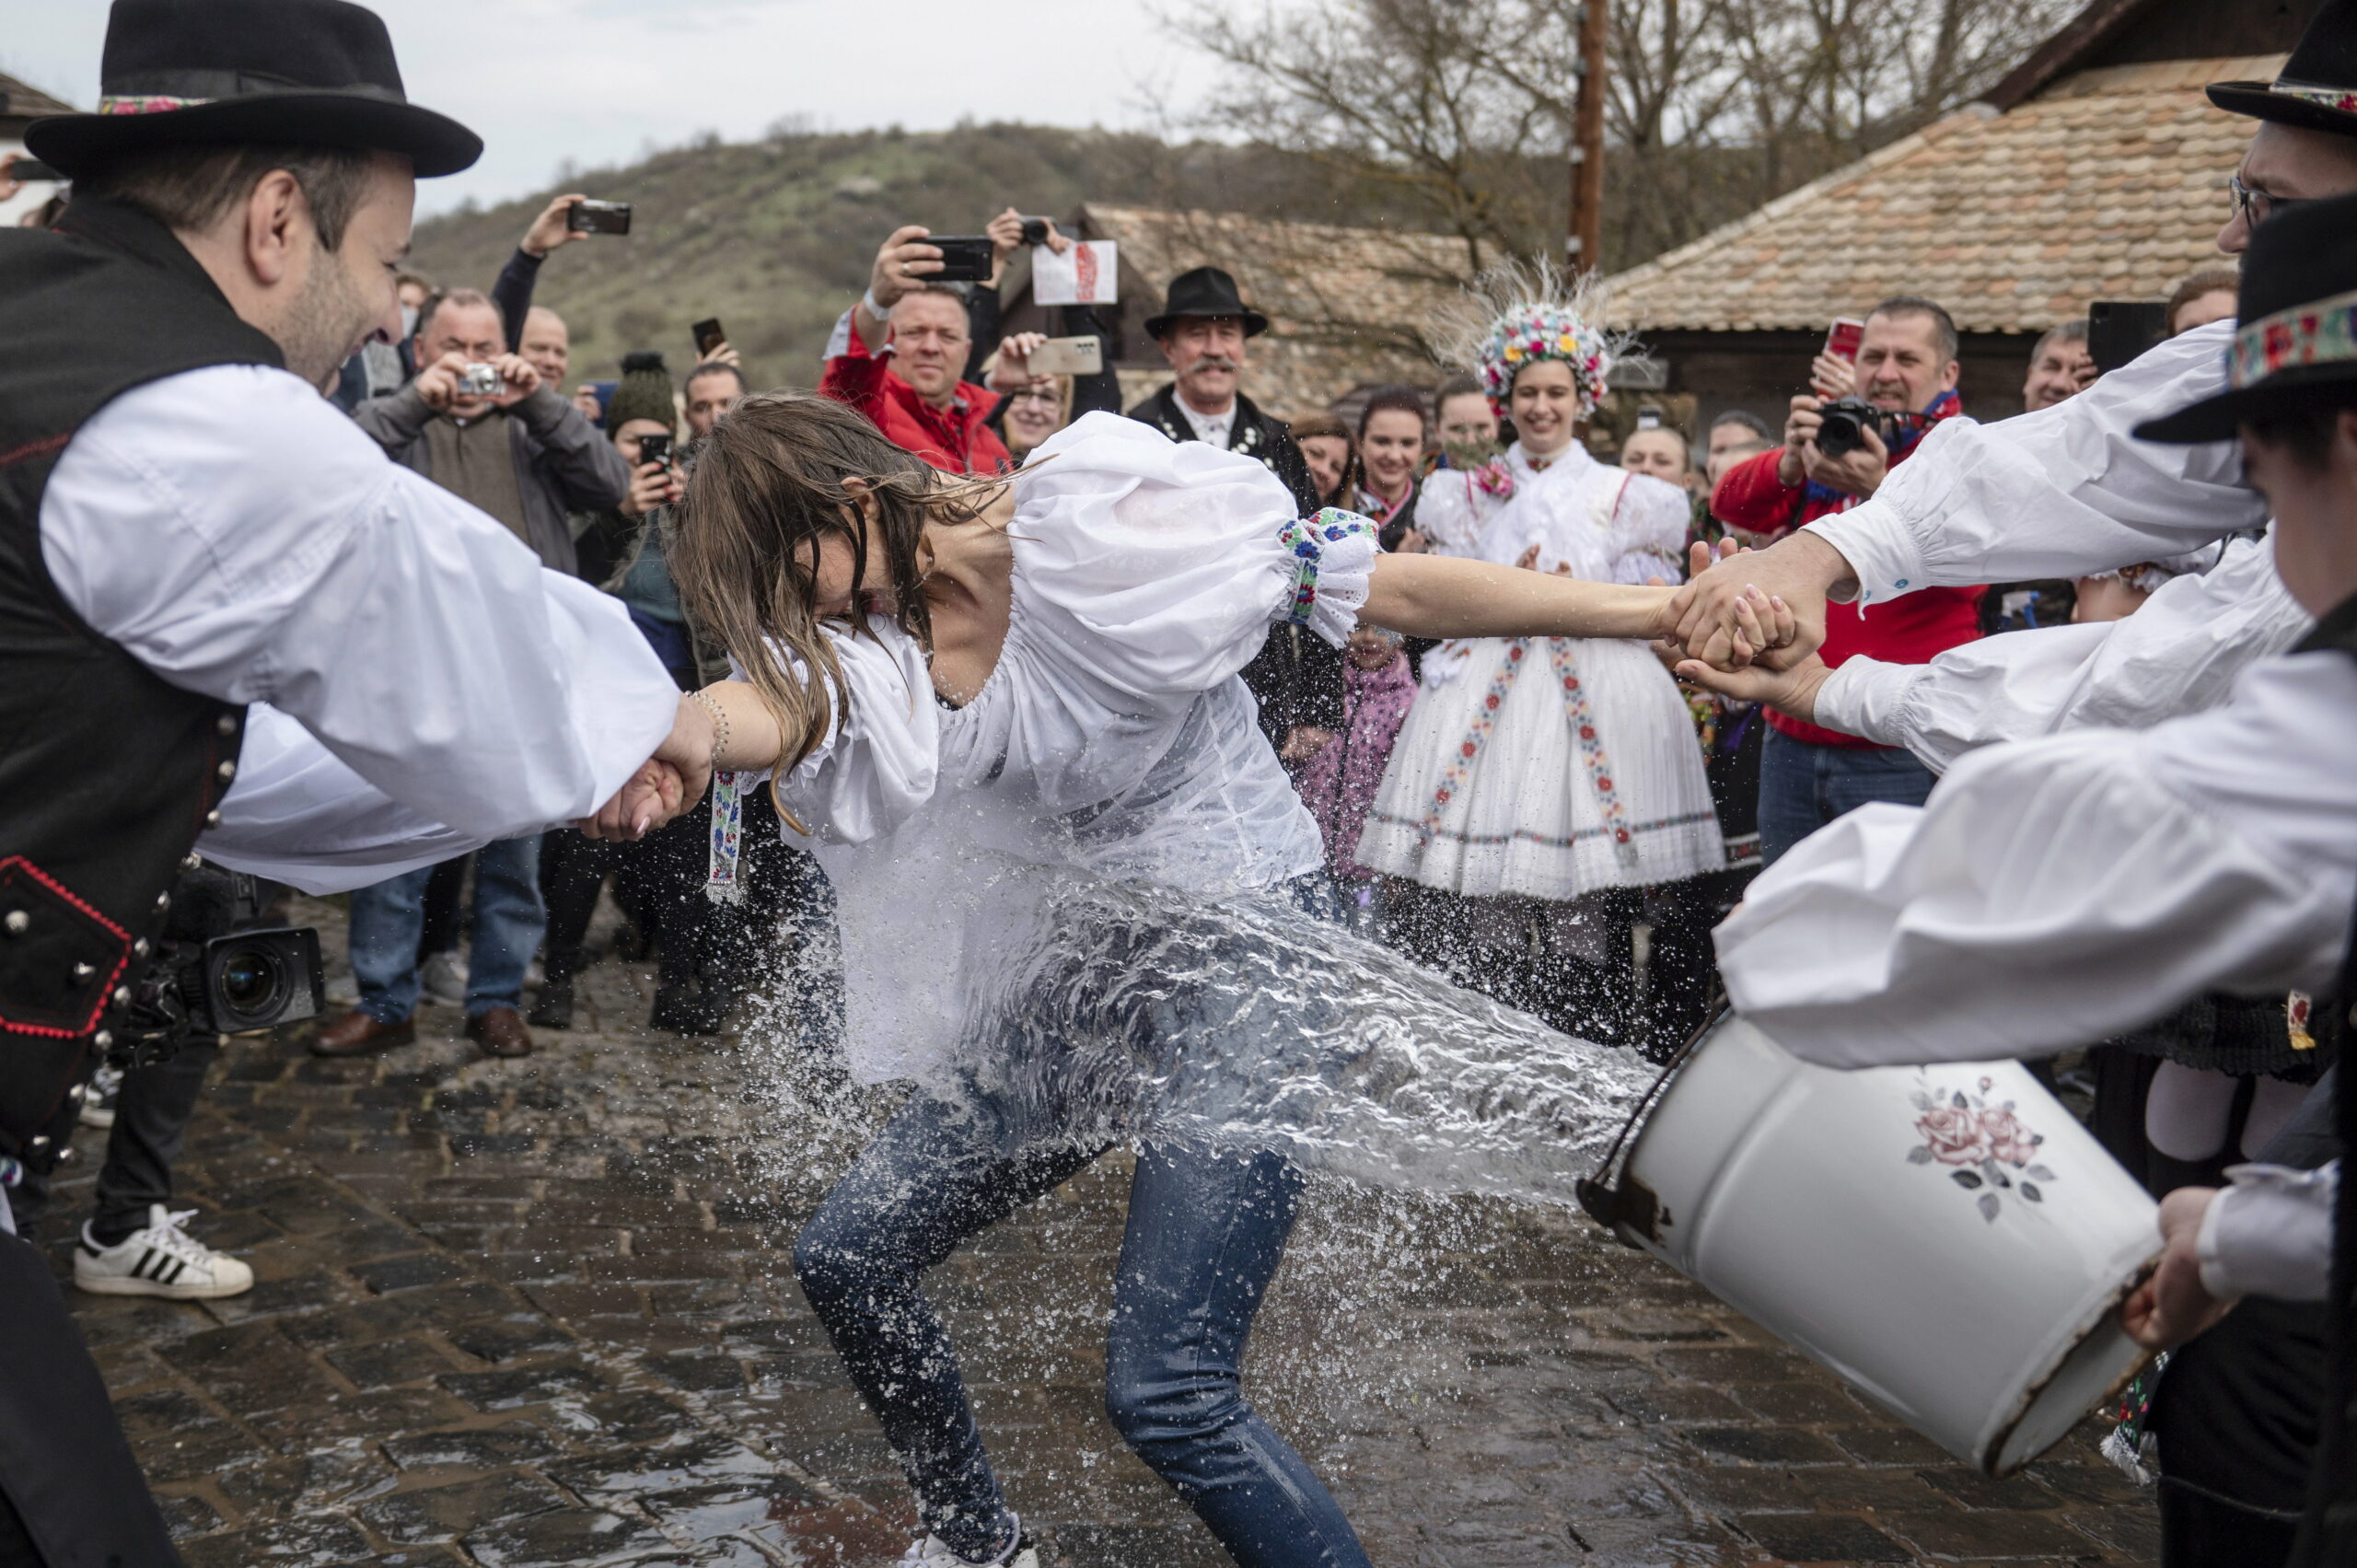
(539, 1312)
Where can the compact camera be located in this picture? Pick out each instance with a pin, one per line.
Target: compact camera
(481, 381)
(654, 448)
(213, 972)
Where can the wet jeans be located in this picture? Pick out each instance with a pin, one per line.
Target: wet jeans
(1204, 1236)
(386, 918)
(1802, 786)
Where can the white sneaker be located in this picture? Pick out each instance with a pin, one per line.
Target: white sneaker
(98, 1101)
(444, 979)
(159, 1258)
(343, 987)
(934, 1552)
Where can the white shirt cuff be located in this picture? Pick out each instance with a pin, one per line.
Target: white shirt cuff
(1875, 543)
(2270, 1234)
(1867, 698)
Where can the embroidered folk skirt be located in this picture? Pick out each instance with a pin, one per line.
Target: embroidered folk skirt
(1547, 767)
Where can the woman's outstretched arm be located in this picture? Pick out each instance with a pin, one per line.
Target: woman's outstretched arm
(726, 726)
(1437, 596)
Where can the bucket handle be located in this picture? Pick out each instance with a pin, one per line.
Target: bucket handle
(1619, 1208)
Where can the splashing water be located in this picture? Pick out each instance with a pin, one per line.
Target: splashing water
(1118, 1010)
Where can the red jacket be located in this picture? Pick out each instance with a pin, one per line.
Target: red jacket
(954, 439)
(1905, 631)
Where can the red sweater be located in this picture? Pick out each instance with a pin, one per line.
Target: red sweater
(1909, 630)
(954, 439)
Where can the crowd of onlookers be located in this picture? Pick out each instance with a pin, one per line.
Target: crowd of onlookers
(586, 477)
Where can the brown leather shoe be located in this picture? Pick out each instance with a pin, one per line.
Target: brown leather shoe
(357, 1034)
(500, 1032)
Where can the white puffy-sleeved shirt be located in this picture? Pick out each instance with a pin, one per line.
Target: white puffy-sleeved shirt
(2060, 891)
(2178, 654)
(240, 537)
(2063, 492)
(1113, 736)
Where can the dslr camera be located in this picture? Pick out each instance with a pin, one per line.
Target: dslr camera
(481, 380)
(1846, 420)
(216, 972)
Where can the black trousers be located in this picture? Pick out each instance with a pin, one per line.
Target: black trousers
(2238, 1411)
(151, 1119)
(71, 1494)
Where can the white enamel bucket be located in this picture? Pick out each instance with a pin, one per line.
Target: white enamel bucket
(1948, 1239)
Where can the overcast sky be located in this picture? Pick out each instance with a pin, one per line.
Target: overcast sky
(599, 81)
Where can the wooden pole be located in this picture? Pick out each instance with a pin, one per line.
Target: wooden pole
(1583, 247)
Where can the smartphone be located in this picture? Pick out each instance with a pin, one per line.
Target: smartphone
(1842, 338)
(1069, 356)
(33, 168)
(2120, 329)
(709, 336)
(655, 448)
(965, 258)
(598, 217)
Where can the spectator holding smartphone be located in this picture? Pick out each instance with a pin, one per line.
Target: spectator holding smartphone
(898, 356)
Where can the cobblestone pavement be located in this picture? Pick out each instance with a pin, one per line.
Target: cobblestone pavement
(539, 1312)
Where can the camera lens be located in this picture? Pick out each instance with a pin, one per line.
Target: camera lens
(252, 978)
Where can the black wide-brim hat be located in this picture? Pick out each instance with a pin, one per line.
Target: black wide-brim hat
(2295, 324)
(2318, 88)
(307, 73)
(1205, 291)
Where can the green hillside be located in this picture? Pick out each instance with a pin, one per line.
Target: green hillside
(775, 236)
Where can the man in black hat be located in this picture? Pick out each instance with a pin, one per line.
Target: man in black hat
(1203, 329)
(187, 529)
(2216, 850)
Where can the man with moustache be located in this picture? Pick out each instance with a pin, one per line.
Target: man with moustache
(1204, 328)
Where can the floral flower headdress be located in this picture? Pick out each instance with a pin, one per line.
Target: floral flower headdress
(1523, 311)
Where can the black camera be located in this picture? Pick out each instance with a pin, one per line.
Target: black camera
(1035, 231)
(1844, 426)
(654, 448)
(216, 972)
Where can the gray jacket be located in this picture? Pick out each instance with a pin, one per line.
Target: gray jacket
(562, 462)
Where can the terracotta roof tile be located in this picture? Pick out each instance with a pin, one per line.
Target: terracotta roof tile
(2108, 183)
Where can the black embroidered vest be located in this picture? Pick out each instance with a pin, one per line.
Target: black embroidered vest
(107, 773)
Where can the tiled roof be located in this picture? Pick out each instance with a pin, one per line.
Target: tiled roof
(2109, 184)
(22, 100)
(1345, 305)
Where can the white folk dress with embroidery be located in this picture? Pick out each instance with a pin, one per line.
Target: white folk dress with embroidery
(1549, 767)
(1113, 736)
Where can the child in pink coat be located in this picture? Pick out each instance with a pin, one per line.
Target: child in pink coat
(1338, 782)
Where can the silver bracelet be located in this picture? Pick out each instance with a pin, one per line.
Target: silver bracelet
(719, 724)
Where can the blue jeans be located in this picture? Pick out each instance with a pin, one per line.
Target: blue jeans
(1803, 786)
(1206, 1231)
(388, 919)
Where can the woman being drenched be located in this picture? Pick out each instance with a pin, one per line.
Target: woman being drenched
(957, 685)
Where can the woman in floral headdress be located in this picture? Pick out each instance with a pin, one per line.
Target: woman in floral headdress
(1538, 782)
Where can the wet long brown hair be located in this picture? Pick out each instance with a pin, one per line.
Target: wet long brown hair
(768, 488)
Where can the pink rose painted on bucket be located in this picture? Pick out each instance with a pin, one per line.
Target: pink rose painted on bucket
(1986, 1148)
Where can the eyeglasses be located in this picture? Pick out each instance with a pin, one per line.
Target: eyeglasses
(2257, 206)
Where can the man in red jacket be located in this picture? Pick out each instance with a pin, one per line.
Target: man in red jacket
(898, 356)
(1906, 366)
